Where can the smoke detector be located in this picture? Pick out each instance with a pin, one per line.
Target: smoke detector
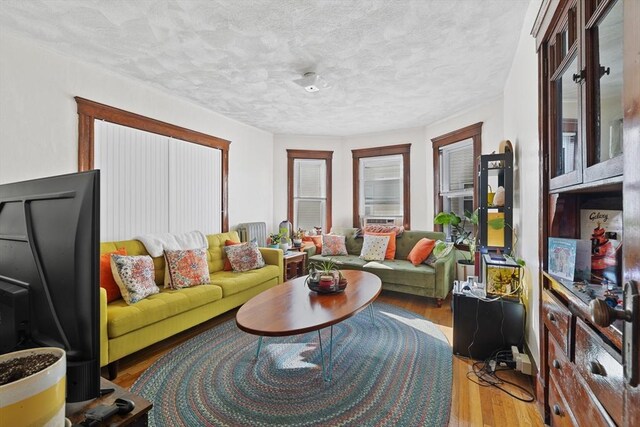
(311, 82)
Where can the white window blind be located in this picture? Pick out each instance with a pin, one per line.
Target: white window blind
(381, 187)
(456, 178)
(309, 193)
(150, 183)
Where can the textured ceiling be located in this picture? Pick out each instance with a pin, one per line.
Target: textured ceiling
(391, 64)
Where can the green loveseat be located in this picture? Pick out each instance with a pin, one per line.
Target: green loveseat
(125, 329)
(403, 276)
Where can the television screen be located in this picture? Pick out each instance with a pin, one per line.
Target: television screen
(49, 247)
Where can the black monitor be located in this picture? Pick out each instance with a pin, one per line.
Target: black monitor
(49, 273)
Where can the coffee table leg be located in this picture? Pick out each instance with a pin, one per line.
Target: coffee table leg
(259, 346)
(327, 376)
(373, 319)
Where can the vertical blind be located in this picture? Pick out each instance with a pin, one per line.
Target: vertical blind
(150, 183)
(309, 193)
(381, 186)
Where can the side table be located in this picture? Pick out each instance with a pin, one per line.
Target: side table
(294, 265)
(136, 418)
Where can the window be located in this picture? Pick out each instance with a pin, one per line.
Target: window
(454, 171)
(309, 189)
(168, 156)
(381, 185)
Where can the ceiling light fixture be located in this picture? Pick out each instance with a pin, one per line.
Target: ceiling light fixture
(311, 82)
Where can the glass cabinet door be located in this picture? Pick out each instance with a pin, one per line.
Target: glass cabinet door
(605, 144)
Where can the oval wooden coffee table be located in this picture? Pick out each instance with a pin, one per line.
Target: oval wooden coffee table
(292, 308)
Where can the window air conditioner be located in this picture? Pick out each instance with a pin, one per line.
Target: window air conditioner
(378, 220)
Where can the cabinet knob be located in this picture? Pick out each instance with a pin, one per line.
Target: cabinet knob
(597, 369)
(551, 317)
(557, 410)
(556, 364)
(603, 315)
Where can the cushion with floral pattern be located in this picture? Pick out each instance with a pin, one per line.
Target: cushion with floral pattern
(333, 245)
(134, 276)
(186, 268)
(244, 257)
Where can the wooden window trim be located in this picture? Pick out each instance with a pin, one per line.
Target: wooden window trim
(327, 156)
(473, 132)
(389, 150)
(88, 111)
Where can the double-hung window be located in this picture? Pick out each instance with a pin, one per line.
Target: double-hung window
(310, 189)
(456, 179)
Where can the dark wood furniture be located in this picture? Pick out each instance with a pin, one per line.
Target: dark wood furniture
(589, 125)
(136, 418)
(292, 308)
(294, 264)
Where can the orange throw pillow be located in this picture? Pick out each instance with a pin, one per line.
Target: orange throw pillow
(227, 263)
(317, 241)
(106, 276)
(391, 247)
(421, 251)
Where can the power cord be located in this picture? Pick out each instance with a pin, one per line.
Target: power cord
(487, 373)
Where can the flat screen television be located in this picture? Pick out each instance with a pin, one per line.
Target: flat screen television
(49, 273)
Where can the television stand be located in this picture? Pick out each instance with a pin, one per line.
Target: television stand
(136, 418)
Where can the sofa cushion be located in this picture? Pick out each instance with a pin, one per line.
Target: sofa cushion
(216, 257)
(106, 275)
(391, 247)
(123, 318)
(421, 251)
(333, 245)
(186, 268)
(134, 276)
(244, 257)
(407, 274)
(342, 260)
(233, 282)
(374, 248)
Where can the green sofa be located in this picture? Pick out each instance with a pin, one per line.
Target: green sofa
(434, 282)
(125, 329)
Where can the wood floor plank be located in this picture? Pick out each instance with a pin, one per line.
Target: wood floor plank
(471, 405)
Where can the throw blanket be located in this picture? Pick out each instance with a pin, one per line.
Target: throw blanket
(156, 244)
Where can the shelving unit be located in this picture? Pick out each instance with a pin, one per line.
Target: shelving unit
(495, 170)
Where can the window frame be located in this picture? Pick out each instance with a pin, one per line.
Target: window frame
(327, 156)
(89, 111)
(389, 150)
(473, 132)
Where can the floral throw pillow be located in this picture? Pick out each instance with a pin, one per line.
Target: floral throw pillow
(333, 245)
(134, 276)
(440, 250)
(374, 247)
(245, 256)
(187, 268)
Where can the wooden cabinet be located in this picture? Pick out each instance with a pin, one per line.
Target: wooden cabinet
(589, 124)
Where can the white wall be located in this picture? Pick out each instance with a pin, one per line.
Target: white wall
(38, 122)
(521, 127)
(342, 197)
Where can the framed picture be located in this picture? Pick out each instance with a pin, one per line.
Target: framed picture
(570, 259)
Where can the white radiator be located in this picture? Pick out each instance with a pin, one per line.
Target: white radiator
(253, 230)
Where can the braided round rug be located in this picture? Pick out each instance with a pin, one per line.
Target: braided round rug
(396, 372)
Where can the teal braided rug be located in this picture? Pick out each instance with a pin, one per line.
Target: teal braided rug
(397, 372)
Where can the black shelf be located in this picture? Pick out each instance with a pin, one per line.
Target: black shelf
(498, 168)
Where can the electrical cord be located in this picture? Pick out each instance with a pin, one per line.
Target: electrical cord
(488, 375)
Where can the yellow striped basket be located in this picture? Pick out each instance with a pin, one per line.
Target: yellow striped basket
(37, 400)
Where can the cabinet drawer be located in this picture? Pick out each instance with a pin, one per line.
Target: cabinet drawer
(556, 318)
(575, 392)
(560, 416)
(600, 369)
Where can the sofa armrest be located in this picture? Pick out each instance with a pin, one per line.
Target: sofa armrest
(104, 339)
(273, 256)
(445, 272)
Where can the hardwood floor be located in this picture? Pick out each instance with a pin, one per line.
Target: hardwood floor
(472, 405)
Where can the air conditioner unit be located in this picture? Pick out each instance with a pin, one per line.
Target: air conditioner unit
(378, 220)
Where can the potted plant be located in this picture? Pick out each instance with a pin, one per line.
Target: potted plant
(274, 240)
(324, 277)
(462, 236)
(297, 237)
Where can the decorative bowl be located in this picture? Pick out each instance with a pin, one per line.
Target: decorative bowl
(323, 288)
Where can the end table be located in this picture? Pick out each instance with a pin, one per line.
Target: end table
(294, 264)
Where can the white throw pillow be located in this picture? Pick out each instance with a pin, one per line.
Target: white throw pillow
(374, 247)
